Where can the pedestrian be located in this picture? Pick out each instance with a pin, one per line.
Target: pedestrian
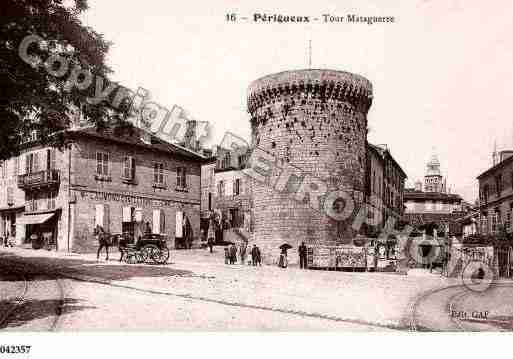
(242, 252)
(103, 241)
(302, 255)
(254, 255)
(233, 254)
(258, 256)
(226, 256)
(123, 243)
(282, 262)
(211, 235)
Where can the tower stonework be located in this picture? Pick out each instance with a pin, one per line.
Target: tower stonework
(315, 121)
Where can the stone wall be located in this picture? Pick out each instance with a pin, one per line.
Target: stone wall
(316, 121)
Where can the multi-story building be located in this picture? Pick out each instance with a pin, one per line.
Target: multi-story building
(226, 193)
(233, 189)
(496, 195)
(433, 204)
(12, 199)
(385, 181)
(122, 182)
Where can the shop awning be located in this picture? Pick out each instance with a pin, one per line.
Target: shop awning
(34, 218)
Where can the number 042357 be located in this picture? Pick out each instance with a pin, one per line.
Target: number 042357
(15, 349)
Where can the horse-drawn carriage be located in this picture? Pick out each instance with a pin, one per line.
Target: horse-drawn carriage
(150, 248)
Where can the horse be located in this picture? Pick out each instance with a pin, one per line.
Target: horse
(104, 241)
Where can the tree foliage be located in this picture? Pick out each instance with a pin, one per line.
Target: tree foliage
(30, 97)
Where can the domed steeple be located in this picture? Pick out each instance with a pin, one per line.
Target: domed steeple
(433, 166)
(433, 180)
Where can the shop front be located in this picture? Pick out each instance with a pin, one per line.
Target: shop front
(40, 229)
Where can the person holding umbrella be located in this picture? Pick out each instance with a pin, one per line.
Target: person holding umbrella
(283, 262)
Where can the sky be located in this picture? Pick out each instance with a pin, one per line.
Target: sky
(441, 72)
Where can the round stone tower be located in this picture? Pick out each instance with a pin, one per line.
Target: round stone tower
(314, 125)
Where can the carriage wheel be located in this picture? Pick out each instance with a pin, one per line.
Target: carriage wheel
(131, 258)
(141, 256)
(151, 253)
(164, 255)
(126, 257)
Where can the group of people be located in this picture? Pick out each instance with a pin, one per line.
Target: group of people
(7, 241)
(230, 254)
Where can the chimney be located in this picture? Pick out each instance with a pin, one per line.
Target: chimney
(495, 157)
(505, 154)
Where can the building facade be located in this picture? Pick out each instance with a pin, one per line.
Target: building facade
(385, 181)
(122, 182)
(496, 195)
(433, 203)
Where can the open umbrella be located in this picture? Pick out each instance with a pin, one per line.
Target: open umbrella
(285, 246)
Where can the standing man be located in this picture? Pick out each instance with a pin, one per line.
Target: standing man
(242, 252)
(302, 255)
(211, 233)
(226, 256)
(233, 254)
(254, 255)
(258, 256)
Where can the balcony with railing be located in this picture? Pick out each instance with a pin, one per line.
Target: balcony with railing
(46, 178)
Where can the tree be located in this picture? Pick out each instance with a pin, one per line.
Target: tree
(31, 96)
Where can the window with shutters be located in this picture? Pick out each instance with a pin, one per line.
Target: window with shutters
(158, 174)
(35, 165)
(102, 164)
(507, 221)
(129, 168)
(51, 199)
(494, 222)
(220, 188)
(242, 161)
(236, 187)
(50, 159)
(159, 222)
(32, 162)
(486, 190)
(31, 199)
(498, 184)
(181, 177)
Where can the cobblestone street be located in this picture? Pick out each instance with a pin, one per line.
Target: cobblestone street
(198, 291)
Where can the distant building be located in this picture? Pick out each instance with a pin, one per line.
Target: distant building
(496, 194)
(385, 181)
(469, 224)
(433, 203)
